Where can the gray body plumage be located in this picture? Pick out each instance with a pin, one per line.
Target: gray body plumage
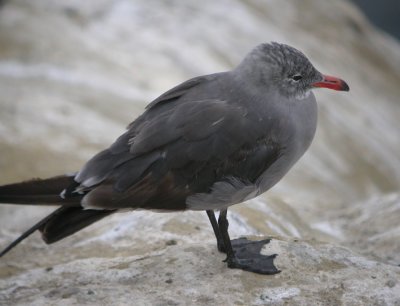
(208, 143)
(289, 138)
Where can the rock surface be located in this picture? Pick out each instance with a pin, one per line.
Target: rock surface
(188, 273)
(74, 74)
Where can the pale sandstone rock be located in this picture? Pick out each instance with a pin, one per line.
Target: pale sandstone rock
(78, 72)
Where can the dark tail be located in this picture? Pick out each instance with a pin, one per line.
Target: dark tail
(39, 192)
(69, 221)
(63, 222)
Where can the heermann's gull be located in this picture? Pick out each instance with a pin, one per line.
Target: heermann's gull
(211, 142)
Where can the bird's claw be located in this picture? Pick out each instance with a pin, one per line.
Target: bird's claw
(247, 257)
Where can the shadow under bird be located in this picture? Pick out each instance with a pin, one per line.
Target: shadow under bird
(206, 144)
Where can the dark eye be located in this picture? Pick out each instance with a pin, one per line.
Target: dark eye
(297, 77)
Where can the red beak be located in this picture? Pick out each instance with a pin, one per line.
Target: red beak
(332, 83)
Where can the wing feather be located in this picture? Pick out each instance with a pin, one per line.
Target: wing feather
(179, 146)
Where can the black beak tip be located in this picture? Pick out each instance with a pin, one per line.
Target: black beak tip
(345, 86)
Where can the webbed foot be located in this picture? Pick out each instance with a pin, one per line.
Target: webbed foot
(247, 257)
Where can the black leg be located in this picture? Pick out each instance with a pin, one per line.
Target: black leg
(245, 254)
(214, 224)
(223, 227)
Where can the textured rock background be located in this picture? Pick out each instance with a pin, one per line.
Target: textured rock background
(74, 74)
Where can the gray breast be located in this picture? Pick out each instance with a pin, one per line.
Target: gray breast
(295, 137)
